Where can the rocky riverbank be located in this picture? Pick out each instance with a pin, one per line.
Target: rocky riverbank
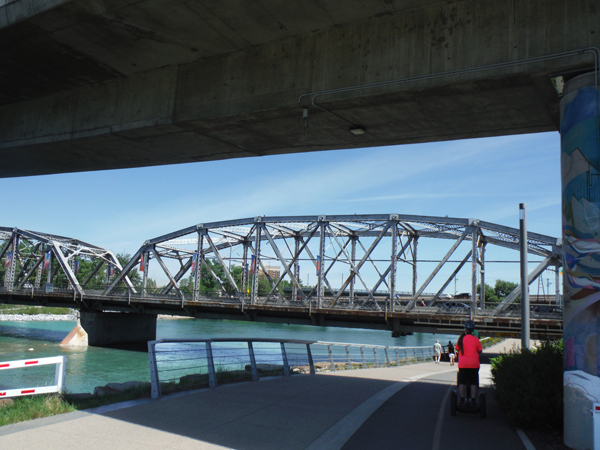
(55, 317)
(37, 317)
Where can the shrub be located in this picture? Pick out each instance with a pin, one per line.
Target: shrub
(529, 386)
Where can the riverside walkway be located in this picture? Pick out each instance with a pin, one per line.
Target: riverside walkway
(400, 408)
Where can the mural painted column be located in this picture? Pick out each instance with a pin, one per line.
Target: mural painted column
(580, 160)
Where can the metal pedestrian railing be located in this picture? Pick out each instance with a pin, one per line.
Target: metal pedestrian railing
(177, 364)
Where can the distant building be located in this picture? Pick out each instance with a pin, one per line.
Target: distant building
(272, 271)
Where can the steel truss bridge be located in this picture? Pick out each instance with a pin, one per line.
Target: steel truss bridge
(375, 251)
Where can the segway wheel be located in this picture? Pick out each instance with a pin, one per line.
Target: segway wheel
(453, 403)
(482, 411)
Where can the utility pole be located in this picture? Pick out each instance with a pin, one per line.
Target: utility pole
(524, 277)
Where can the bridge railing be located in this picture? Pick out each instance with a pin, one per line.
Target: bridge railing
(189, 364)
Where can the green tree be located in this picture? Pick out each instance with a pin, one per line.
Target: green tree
(208, 284)
(500, 290)
(134, 274)
(503, 288)
(490, 294)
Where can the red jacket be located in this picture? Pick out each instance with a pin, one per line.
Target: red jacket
(468, 356)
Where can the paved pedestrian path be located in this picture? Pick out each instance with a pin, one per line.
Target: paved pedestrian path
(405, 407)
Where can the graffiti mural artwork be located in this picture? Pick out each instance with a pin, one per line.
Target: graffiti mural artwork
(581, 252)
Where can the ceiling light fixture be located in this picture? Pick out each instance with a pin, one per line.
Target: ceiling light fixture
(357, 131)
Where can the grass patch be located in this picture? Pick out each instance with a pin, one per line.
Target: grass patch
(80, 403)
(35, 407)
(38, 406)
(34, 310)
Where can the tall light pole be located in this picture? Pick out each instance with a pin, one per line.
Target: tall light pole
(524, 280)
(455, 286)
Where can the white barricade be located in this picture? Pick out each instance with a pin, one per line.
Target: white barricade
(59, 376)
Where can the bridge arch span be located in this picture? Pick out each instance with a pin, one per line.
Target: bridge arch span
(277, 248)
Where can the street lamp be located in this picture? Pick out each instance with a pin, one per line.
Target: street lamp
(455, 286)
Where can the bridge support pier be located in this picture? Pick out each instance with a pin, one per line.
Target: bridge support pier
(580, 148)
(113, 329)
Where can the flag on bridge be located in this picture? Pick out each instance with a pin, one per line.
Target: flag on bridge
(252, 265)
(8, 259)
(76, 267)
(194, 261)
(47, 260)
(142, 266)
(318, 264)
(111, 270)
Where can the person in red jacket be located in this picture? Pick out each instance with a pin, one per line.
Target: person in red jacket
(469, 348)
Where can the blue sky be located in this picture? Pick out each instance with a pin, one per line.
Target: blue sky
(478, 178)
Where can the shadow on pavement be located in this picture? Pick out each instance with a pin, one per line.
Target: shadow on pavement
(293, 412)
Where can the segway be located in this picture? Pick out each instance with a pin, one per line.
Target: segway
(467, 409)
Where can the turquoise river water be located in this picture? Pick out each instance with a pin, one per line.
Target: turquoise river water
(88, 367)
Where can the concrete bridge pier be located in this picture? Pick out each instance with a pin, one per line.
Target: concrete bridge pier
(580, 162)
(115, 329)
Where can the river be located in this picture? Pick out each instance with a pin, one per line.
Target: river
(88, 367)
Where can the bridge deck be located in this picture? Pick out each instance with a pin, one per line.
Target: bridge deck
(373, 315)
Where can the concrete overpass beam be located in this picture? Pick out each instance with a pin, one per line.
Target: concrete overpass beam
(244, 101)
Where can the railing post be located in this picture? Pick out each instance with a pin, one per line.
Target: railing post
(331, 360)
(252, 362)
(212, 379)
(349, 359)
(397, 357)
(364, 361)
(406, 356)
(60, 373)
(311, 364)
(387, 359)
(154, 378)
(286, 366)
(375, 355)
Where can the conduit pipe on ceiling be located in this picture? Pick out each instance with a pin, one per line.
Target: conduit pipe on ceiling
(595, 51)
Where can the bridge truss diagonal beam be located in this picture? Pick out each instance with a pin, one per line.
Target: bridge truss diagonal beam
(514, 294)
(438, 267)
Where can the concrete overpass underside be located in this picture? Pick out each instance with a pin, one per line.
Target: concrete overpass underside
(106, 84)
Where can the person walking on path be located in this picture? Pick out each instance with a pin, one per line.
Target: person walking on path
(469, 349)
(437, 351)
(451, 352)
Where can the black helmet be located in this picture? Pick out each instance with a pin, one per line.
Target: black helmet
(469, 326)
